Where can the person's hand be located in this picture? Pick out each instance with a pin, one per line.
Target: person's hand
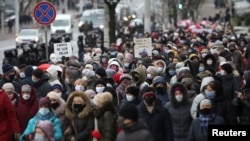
(17, 136)
(67, 131)
(240, 95)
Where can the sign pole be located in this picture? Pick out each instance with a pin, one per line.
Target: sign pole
(46, 43)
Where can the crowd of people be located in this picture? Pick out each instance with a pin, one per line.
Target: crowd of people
(188, 82)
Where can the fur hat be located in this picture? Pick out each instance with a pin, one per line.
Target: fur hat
(205, 101)
(89, 66)
(8, 87)
(53, 95)
(129, 111)
(125, 76)
(152, 70)
(88, 73)
(102, 99)
(91, 93)
(101, 72)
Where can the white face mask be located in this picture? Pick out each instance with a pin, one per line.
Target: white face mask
(22, 74)
(179, 98)
(149, 76)
(53, 60)
(129, 97)
(160, 69)
(79, 87)
(26, 96)
(209, 62)
(99, 89)
(222, 72)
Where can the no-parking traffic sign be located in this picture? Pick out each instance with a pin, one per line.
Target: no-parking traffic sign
(44, 13)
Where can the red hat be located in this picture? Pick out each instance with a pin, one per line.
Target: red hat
(116, 77)
(177, 89)
(44, 67)
(148, 94)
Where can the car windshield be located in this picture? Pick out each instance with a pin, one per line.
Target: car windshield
(93, 18)
(28, 33)
(61, 23)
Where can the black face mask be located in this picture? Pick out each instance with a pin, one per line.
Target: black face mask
(55, 105)
(205, 111)
(136, 78)
(78, 107)
(120, 122)
(149, 100)
(12, 77)
(159, 89)
(232, 50)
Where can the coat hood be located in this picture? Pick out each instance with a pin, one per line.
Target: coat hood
(184, 91)
(52, 71)
(205, 81)
(85, 112)
(164, 65)
(142, 75)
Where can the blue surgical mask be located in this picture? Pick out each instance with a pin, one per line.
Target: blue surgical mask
(43, 111)
(210, 94)
(22, 74)
(160, 69)
(33, 79)
(113, 53)
(171, 72)
(201, 68)
(126, 65)
(39, 137)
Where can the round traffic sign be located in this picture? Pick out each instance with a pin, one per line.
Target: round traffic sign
(44, 13)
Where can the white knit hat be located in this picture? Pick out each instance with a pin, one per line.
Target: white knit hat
(8, 87)
(103, 98)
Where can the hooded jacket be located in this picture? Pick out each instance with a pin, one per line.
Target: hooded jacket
(82, 123)
(141, 83)
(42, 86)
(163, 72)
(162, 95)
(180, 114)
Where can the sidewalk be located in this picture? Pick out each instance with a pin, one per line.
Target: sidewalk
(7, 35)
(208, 9)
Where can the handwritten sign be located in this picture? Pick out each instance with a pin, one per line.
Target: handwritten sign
(62, 49)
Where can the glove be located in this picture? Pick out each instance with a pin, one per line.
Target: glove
(96, 134)
(17, 136)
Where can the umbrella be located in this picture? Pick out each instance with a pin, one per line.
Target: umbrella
(184, 23)
(206, 23)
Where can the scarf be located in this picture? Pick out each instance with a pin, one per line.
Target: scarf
(45, 117)
(205, 121)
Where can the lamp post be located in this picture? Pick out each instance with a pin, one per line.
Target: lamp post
(2, 16)
(112, 20)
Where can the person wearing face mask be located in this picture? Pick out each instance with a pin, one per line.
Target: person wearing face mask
(198, 130)
(27, 76)
(237, 59)
(170, 72)
(124, 82)
(90, 77)
(151, 74)
(9, 74)
(105, 117)
(161, 67)
(210, 62)
(79, 117)
(179, 109)
(132, 127)
(156, 117)
(11, 93)
(45, 112)
(160, 87)
(100, 85)
(132, 96)
(44, 131)
(104, 60)
(58, 105)
(139, 76)
(27, 106)
(80, 85)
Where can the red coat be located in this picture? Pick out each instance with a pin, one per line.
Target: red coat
(26, 110)
(8, 120)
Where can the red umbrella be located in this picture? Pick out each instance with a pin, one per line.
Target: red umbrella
(185, 23)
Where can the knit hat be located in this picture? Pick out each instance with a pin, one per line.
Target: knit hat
(133, 90)
(26, 88)
(101, 72)
(28, 70)
(38, 73)
(152, 70)
(102, 99)
(57, 86)
(47, 127)
(45, 101)
(129, 111)
(227, 68)
(116, 77)
(110, 72)
(88, 73)
(100, 81)
(148, 94)
(177, 89)
(125, 76)
(90, 93)
(53, 95)
(129, 56)
(44, 67)
(7, 68)
(205, 101)
(8, 87)
(89, 66)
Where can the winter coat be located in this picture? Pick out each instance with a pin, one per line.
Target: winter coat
(237, 61)
(26, 110)
(247, 56)
(8, 120)
(141, 83)
(106, 119)
(159, 121)
(15, 84)
(195, 133)
(180, 113)
(60, 111)
(33, 122)
(200, 96)
(80, 124)
(53, 75)
(163, 72)
(42, 86)
(137, 132)
(162, 95)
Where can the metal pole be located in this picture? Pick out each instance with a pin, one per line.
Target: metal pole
(147, 16)
(17, 16)
(2, 17)
(46, 42)
(81, 6)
